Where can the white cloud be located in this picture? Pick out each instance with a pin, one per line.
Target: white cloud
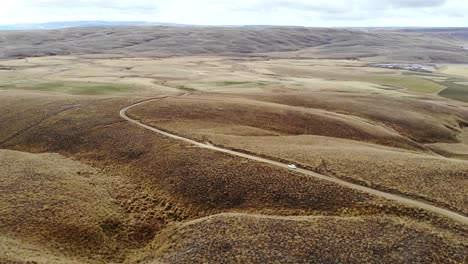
(239, 12)
(98, 4)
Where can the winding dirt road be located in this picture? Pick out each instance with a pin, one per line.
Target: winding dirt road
(398, 198)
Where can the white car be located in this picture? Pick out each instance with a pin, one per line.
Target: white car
(292, 166)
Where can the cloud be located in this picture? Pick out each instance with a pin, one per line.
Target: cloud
(413, 3)
(241, 12)
(123, 5)
(324, 6)
(337, 6)
(273, 5)
(337, 9)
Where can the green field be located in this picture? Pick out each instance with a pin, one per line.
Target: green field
(185, 88)
(242, 83)
(72, 87)
(455, 90)
(412, 83)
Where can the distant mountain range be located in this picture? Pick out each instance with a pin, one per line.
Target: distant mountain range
(58, 25)
(75, 24)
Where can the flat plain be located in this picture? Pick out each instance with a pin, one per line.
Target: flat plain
(79, 184)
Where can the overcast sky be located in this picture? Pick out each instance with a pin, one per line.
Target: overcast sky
(316, 13)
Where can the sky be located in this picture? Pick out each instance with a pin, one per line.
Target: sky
(313, 13)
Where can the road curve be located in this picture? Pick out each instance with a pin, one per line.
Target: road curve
(398, 198)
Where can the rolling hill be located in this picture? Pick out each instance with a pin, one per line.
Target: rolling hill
(162, 41)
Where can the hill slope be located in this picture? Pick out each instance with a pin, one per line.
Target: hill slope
(168, 41)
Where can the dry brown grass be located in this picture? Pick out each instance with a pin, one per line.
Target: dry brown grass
(49, 200)
(453, 150)
(177, 170)
(17, 251)
(275, 118)
(290, 133)
(170, 181)
(437, 179)
(141, 186)
(62, 208)
(241, 238)
(423, 119)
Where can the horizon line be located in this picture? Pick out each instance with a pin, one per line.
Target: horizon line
(156, 23)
